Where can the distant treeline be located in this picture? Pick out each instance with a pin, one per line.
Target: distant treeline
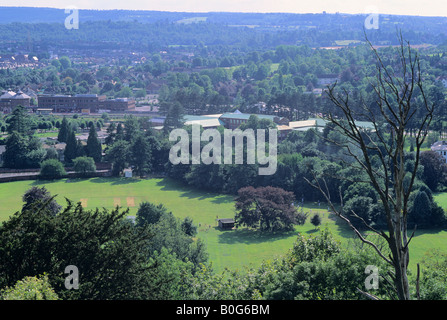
(152, 30)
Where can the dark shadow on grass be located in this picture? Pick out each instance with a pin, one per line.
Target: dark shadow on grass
(346, 232)
(191, 192)
(249, 236)
(115, 180)
(420, 232)
(109, 180)
(40, 182)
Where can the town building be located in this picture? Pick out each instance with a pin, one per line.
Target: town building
(10, 99)
(67, 103)
(236, 119)
(117, 105)
(211, 121)
(85, 103)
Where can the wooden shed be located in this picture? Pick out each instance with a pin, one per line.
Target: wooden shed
(226, 223)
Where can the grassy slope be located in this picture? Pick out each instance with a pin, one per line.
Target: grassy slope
(232, 249)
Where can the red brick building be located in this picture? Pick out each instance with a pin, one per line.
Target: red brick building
(9, 100)
(79, 102)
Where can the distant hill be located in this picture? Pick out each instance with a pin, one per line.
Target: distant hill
(53, 15)
(155, 29)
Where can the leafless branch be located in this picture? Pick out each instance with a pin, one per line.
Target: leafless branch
(395, 99)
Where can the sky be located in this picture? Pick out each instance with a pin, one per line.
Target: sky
(403, 7)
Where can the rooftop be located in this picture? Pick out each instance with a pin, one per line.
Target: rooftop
(189, 117)
(439, 146)
(86, 95)
(212, 122)
(7, 94)
(21, 95)
(245, 116)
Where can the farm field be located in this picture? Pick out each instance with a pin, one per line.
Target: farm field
(233, 249)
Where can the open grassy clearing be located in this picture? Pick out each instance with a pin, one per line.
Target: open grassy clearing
(233, 249)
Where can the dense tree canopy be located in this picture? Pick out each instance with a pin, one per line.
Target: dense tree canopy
(266, 208)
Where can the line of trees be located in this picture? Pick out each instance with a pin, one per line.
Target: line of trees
(23, 149)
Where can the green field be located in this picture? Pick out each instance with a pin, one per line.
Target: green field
(233, 249)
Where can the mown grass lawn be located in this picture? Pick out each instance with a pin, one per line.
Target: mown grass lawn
(233, 248)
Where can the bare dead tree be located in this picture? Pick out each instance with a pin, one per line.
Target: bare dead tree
(398, 97)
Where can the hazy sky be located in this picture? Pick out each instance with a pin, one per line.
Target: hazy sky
(406, 7)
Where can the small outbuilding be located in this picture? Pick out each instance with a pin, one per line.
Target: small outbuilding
(128, 173)
(226, 224)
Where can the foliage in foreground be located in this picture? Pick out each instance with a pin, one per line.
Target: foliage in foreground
(159, 258)
(30, 288)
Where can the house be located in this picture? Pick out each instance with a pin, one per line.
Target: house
(226, 224)
(441, 148)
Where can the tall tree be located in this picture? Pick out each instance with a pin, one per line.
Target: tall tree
(174, 116)
(119, 132)
(398, 97)
(141, 157)
(435, 169)
(64, 131)
(94, 148)
(131, 128)
(71, 147)
(118, 154)
(19, 121)
(15, 151)
(111, 134)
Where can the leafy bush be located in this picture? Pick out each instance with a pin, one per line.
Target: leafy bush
(52, 169)
(30, 288)
(84, 165)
